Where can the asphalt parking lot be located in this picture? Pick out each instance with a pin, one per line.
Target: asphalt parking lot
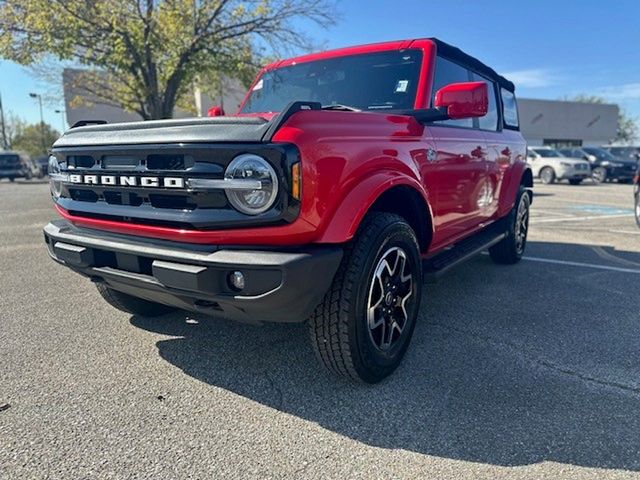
(529, 371)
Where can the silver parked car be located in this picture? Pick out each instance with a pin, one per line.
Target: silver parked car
(550, 165)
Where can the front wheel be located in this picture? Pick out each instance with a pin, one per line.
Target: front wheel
(547, 175)
(511, 248)
(599, 175)
(364, 325)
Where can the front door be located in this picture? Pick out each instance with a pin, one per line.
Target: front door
(458, 174)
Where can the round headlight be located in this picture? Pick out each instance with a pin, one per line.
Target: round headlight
(54, 176)
(252, 167)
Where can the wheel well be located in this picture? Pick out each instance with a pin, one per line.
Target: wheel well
(409, 204)
(527, 178)
(527, 182)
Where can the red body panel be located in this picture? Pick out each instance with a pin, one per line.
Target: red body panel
(467, 178)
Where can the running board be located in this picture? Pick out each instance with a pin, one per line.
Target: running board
(434, 267)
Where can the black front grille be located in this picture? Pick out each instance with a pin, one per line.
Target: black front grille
(123, 198)
(82, 195)
(169, 162)
(162, 205)
(80, 161)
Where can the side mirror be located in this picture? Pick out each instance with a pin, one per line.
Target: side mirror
(215, 111)
(463, 100)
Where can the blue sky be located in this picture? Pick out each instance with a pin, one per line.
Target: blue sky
(550, 49)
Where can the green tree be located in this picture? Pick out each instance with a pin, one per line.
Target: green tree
(144, 55)
(627, 131)
(34, 139)
(13, 125)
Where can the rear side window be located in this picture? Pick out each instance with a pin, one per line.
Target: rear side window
(510, 109)
(448, 72)
(490, 120)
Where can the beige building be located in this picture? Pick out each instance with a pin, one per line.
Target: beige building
(561, 123)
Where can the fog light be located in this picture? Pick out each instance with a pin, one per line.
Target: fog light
(236, 280)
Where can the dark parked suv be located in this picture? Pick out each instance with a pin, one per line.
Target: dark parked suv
(625, 153)
(16, 165)
(604, 165)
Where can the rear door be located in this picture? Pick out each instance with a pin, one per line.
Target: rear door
(459, 169)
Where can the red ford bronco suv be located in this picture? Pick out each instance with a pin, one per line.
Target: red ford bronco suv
(345, 179)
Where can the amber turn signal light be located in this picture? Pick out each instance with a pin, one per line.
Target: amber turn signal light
(296, 181)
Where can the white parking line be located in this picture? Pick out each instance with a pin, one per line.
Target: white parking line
(579, 219)
(585, 265)
(626, 231)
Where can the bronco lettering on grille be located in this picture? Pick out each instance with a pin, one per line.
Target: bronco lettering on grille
(128, 181)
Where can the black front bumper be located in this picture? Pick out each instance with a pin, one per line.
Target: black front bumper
(279, 286)
(620, 173)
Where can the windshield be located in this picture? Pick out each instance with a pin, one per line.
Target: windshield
(599, 153)
(374, 81)
(625, 152)
(9, 160)
(548, 152)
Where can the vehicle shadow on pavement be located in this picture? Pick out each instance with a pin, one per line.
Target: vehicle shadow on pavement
(509, 366)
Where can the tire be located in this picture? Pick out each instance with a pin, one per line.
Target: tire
(547, 175)
(510, 249)
(599, 175)
(130, 304)
(364, 325)
(12, 179)
(575, 181)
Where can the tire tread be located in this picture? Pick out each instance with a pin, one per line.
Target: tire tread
(328, 325)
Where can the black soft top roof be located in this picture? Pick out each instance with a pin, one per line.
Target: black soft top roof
(454, 53)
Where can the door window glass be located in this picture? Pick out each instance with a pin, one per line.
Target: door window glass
(490, 120)
(446, 73)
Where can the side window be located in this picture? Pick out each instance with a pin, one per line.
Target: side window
(490, 120)
(448, 72)
(510, 109)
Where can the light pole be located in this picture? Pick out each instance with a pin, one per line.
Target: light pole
(63, 124)
(44, 141)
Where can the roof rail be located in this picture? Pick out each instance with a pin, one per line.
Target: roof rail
(84, 123)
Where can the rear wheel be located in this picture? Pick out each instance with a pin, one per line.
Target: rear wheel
(599, 175)
(130, 304)
(510, 249)
(547, 175)
(575, 181)
(364, 325)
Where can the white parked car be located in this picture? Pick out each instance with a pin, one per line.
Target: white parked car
(550, 165)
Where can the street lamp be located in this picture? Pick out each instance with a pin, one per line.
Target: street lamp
(44, 141)
(62, 120)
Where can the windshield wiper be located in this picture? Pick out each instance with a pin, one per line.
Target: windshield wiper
(337, 106)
